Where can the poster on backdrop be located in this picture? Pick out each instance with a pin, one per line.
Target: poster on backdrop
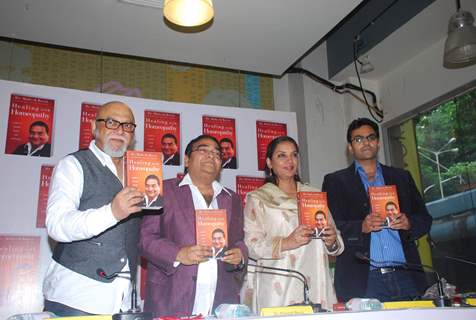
(89, 112)
(45, 179)
(30, 126)
(162, 134)
(246, 184)
(223, 129)
(265, 132)
(19, 272)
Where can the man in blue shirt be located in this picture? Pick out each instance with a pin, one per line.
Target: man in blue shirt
(388, 249)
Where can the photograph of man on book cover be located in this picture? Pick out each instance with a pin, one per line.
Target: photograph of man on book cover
(321, 223)
(37, 145)
(152, 197)
(392, 212)
(218, 243)
(169, 147)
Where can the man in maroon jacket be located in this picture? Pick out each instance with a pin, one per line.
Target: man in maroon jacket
(182, 277)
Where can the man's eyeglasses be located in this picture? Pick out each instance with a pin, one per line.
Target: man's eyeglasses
(370, 138)
(114, 124)
(214, 153)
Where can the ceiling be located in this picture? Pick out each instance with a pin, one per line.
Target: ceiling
(422, 31)
(263, 36)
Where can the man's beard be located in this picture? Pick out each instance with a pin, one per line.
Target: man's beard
(113, 153)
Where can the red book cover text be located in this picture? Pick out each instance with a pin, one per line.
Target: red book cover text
(265, 132)
(45, 178)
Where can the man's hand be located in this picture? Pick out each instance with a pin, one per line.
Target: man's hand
(299, 237)
(329, 235)
(401, 222)
(195, 254)
(126, 202)
(233, 256)
(372, 223)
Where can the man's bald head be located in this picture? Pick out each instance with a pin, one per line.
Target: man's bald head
(108, 128)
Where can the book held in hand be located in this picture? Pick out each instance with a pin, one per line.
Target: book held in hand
(313, 211)
(211, 230)
(143, 170)
(384, 201)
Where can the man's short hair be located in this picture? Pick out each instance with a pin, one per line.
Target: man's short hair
(191, 144)
(40, 124)
(320, 212)
(152, 176)
(229, 141)
(218, 230)
(360, 122)
(169, 135)
(391, 203)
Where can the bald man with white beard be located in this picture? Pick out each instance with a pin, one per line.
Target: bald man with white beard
(90, 215)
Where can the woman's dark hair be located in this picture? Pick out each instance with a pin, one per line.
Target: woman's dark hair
(191, 145)
(270, 176)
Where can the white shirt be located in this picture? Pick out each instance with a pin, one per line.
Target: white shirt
(207, 271)
(65, 223)
(31, 150)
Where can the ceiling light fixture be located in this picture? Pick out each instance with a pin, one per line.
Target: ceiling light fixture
(460, 46)
(188, 13)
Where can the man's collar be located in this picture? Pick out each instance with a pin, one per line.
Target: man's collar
(358, 166)
(217, 186)
(31, 150)
(103, 157)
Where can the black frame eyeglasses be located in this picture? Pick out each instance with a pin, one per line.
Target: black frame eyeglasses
(114, 124)
(370, 138)
(209, 152)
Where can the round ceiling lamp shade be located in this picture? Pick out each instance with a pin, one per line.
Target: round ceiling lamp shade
(188, 13)
(460, 46)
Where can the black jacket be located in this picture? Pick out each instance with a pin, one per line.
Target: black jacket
(349, 205)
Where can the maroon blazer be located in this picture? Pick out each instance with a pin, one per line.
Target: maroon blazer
(169, 290)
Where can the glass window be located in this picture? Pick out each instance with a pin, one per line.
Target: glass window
(438, 146)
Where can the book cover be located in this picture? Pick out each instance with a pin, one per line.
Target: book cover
(265, 132)
(245, 184)
(89, 112)
(20, 286)
(313, 210)
(30, 126)
(384, 201)
(143, 170)
(162, 134)
(211, 230)
(223, 129)
(45, 178)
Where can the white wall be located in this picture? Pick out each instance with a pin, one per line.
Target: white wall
(420, 80)
(323, 116)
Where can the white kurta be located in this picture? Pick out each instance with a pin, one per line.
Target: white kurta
(270, 216)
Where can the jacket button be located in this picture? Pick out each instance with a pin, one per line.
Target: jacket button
(123, 260)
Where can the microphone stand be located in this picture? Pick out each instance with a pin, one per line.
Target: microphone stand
(134, 313)
(302, 278)
(440, 302)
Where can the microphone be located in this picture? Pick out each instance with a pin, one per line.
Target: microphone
(441, 253)
(102, 274)
(440, 302)
(134, 313)
(301, 277)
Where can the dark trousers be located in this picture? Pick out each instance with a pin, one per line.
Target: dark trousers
(63, 310)
(393, 286)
